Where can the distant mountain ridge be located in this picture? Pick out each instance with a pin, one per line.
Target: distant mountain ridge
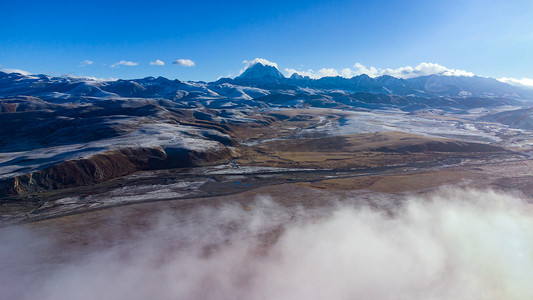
(265, 85)
(267, 76)
(65, 131)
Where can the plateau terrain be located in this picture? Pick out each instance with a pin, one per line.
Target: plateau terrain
(72, 144)
(90, 164)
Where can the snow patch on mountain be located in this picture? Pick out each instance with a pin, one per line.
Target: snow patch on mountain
(259, 70)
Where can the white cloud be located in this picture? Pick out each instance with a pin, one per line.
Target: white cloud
(124, 63)
(157, 62)
(249, 63)
(346, 72)
(15, 71)
(324, 72)
(261, 61)
(361, 69)
(184, 62)
(528, 82)
(86, 63)
(422, 69)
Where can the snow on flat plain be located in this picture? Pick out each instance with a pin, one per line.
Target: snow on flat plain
(386, 121)
(124, 195)
(228, 169)
(146, 192)
(162, 135)
(167, 135)
(462, 127)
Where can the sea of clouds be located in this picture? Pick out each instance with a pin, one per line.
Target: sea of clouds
(454, 244)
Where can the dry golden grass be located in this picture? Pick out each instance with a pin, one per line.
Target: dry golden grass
(354, 151)
(397, 183)
(80, 229)
(331, 160)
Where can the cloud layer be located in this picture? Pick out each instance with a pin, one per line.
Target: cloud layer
(184, 62)
(458, 244)
(527, 82)
(421, 69)
(124, 63)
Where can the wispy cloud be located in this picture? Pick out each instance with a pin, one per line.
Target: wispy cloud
(422, 69)
(124, 63)
(184, 62)
(261, 61)
(86, 63)
(15, 71)
(527, 82)
(157, 62)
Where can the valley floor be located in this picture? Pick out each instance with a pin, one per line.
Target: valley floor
(279, 177)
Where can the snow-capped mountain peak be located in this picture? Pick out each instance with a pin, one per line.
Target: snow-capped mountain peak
(261, 71)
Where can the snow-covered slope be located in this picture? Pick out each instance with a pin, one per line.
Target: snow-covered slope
(260, 71)
(47, 121)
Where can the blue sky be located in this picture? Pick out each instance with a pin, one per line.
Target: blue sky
(487, 38)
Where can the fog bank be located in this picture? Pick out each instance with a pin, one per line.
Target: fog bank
(455, 244)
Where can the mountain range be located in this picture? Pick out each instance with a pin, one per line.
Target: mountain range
(267, 84)
(65, 132)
